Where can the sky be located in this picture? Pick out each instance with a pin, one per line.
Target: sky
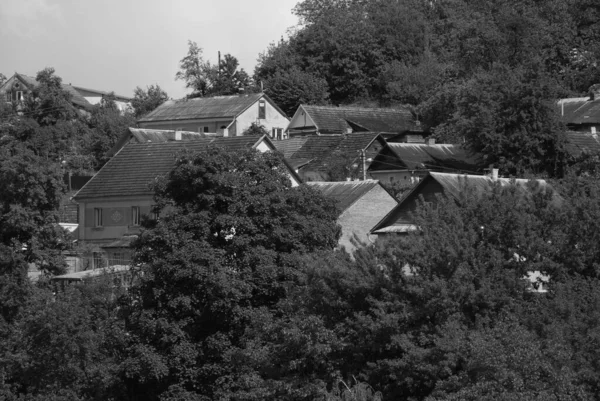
(117, 45)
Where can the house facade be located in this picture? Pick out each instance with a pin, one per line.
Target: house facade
(331, 120)
(362, 204)
(581, 114)
(113, 203)
(223, 115)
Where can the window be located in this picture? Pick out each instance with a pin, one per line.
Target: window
(135, 215)
(205, 129)
(118, 259)
(261, 109)
(97, 260)
(97, 217)
(154, 212)
(19, 95)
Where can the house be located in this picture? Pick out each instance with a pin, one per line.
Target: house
(144, 135)
(362, 205)
(579, 143)
(407, 163)
(224, 115)
(112, 203)
(95, 97)
(19, 85)
(332, 157)
(581, 114)
(400, 220)
(331, 120)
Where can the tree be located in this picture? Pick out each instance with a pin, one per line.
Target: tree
(144, 101)
(48, 102)
(256, 129)
(222, 256)
(2, 78)
(205, 79)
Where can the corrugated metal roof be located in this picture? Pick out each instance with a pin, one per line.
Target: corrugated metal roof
(203, 107)
(581, 110)
(582, 142)
(441, 156)
(130, 171)
(345, 193)
(452, 184)
(339, 119)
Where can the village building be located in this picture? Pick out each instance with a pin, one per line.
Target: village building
(408, 163)
(581, 114)
(332, 157)
(332, 120)
(145, 135)
(223, 115)
(400, 219)
(112, 203)
(362, 205)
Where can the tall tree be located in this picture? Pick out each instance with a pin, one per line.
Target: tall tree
(219, 257)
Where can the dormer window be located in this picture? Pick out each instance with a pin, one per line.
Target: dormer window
(262, 112)
(19, 96)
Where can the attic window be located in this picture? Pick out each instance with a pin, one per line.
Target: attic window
(19, 96)
(261, 109)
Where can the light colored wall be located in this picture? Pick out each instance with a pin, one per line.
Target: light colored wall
(362, 216)
(273, 119)
(111, 229)
(189, 125)
(300, 119)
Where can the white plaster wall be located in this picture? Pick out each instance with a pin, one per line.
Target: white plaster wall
(273, 119)
(300, 119)
(189, 125)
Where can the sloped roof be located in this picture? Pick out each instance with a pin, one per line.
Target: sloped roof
(290, 146)
(130, 171)
(582, 110)
(143, 135)
(100, 93)
(76, 97)
(345, 193)
(398, 220)
(582, 142)
(321, 149)
(338, 119)
(203, 107)
(430, 157)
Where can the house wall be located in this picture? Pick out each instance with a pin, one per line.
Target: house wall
(274, 119)
(362, 216)
(300, 119)
(404, 177)
(116, 218)
(429, 193)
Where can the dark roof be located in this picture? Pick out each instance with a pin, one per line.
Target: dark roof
(339, 119)
(345, 193)
(130, 171)
(320, 149)
(582, 110)
(95, 92)
(399, 220)
(76, 97)
(582, 142)
(416, 156)
(290, 146)
(205, 107)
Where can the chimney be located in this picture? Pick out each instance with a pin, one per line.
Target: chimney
(494, 174)
(594, 92)
(430, 141)
(177, 135)
(593, 130)
(349, 130)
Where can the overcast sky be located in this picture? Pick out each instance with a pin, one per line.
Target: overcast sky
(116, 45)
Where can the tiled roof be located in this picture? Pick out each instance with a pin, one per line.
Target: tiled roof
(290, 146)
(581, 110)
(338, 119)
(345, 193)
(399, 219)
(441, 156)
(582, 142)
(204, 107)
(130, 171)
(143, 135)
(321, 149)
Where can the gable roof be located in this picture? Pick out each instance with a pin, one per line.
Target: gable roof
(99, 93)
(290, 146)
(76, 98)
(345, 193)
(398, 220)
(582, 142)
(317, 151)
(331, 119)
(205, 107)
(143, 135)
(580, 110)
(415, 156)
(130, 171)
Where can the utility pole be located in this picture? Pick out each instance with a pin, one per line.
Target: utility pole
(364, 164)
